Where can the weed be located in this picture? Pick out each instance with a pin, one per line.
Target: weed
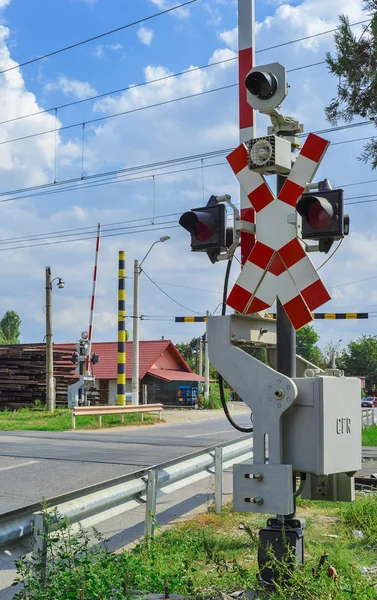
(369, 436)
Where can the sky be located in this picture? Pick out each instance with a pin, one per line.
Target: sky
(138, 206)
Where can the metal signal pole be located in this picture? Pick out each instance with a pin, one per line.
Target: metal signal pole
(285, 332)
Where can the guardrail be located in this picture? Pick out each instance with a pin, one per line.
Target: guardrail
(96, 503)
(367, 416)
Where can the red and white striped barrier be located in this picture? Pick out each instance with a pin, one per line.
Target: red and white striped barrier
(93, 300)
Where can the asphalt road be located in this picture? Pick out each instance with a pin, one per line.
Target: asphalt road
(45, 464)
(37, 464)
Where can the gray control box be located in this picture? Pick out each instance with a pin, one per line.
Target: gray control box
(322, 431)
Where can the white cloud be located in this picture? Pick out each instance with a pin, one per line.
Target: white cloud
(230, 38)
(74, 87)
(182, 13)
(145, 35)
(99, 50)
(215, 16)
(4, 3)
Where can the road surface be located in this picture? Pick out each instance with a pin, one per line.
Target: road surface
(38, 463)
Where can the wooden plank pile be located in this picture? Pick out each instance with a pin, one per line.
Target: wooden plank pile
(23, 375)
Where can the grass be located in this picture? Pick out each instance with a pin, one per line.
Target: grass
(61, 420)
(213, 401)
(211, 555)
(370, 436)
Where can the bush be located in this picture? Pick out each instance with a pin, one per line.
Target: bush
(361, 515)
(213, 401)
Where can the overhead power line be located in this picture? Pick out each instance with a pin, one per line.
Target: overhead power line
(128, 112)
(99, 36)
(91, 237)
(184, 72)
(170, 297)
(83, 181)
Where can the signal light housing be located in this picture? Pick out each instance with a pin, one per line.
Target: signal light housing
(266, 86)
(322, 216)
(207, 227)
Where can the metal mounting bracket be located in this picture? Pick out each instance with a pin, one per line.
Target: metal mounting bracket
(268, 393)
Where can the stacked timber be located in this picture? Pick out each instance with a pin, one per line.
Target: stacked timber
(23, 375)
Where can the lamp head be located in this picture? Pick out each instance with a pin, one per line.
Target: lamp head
(165, 238)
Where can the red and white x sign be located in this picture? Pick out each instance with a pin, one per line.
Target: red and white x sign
(278, 264)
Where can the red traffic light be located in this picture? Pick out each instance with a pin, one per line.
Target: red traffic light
(322, 216)
(207, 227)
(201, 225)
(317, 211)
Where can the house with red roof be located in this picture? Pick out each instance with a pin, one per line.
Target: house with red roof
(161, 368)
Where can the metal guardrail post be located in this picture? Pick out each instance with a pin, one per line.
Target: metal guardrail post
(150, 507)
(218, 480)
(40, 532)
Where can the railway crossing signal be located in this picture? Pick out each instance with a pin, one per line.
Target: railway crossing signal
(266, 86)
(207, 227)
(323, 217)
(278, 264)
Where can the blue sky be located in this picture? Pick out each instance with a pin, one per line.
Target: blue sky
(201, 34)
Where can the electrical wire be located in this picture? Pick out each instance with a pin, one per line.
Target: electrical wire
(233, 58)
(221, 380)
(130, 111)
(99, 36)
(168, 296)
(152, 228)
(164, 164)
(88, 230)
(137, 85)
(331, 255)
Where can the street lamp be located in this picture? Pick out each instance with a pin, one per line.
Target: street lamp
(136, 319)
(334, 353)
(50, 387)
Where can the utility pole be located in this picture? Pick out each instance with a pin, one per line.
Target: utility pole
(200, 357)
(206, 364)
(135, 336)
(136, 323)
(197, 357)
(50, 386)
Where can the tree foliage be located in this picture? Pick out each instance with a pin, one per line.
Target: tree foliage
(306, 345)
(355, 66)
(10, 328)
(360, 360)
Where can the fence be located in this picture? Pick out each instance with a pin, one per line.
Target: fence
(96, 503)
(367, 417)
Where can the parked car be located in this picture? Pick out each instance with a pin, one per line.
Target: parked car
(369, 402)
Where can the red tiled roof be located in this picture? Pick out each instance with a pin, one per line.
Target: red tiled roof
(170, 375)
(149, 352)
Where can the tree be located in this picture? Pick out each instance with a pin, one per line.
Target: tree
(355, 66)
(188, 351)
(306, 345)
(360, 360)
(10, 328)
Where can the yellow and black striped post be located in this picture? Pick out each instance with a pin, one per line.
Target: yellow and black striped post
(121, 379)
